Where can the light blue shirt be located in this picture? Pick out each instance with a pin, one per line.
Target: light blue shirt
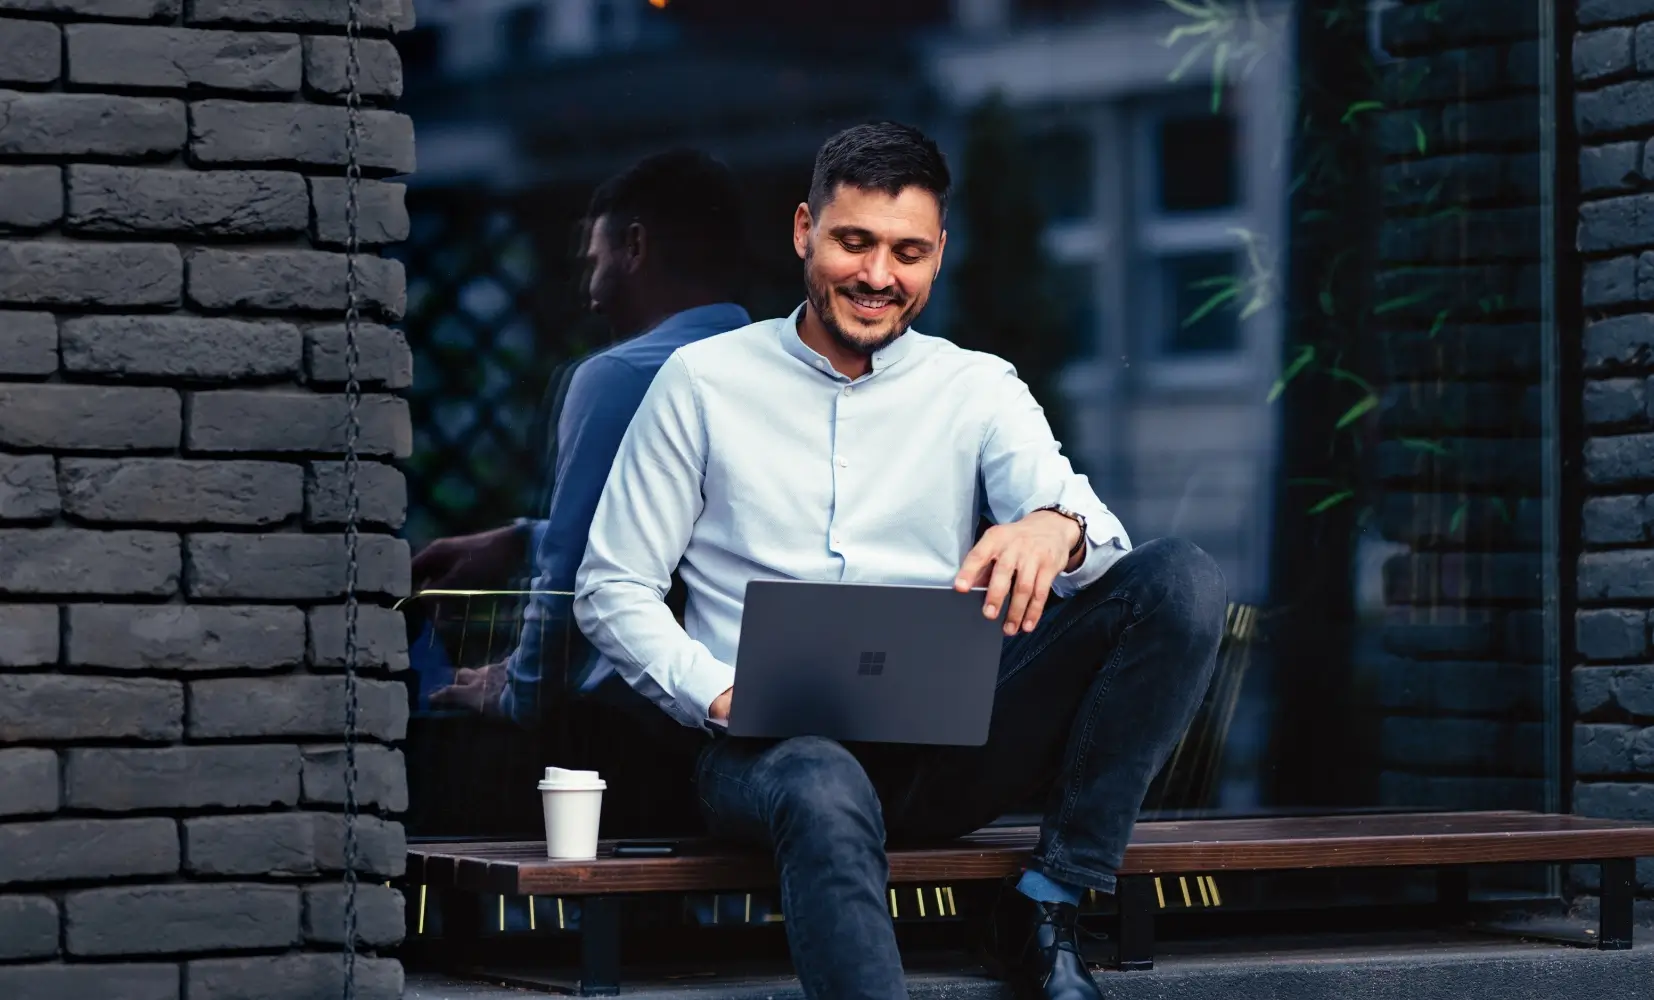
(603, 394)
(750, 457)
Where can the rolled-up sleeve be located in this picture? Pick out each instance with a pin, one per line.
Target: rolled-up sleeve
(1024, 469)
(640, 531)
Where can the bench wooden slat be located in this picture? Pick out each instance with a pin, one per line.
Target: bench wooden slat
(1351, 841)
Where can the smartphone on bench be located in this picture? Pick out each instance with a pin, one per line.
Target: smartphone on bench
(645, 849)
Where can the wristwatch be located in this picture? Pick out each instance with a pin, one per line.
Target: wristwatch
(1077, 518)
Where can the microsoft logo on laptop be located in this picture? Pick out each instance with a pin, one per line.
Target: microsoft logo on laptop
(872, 664)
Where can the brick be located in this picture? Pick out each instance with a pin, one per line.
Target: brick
(1641, 745)
(1615, 801)
(1433, 26)
(1617, 108)
(375, 15)
(1602, 55)
(28, 785)
(28, 635)
(1622, 459)
(1602, 750)
(192, 777)
(1607, 576)
(382, 495)
(298, 976)
(104, 980)
(181, 491)
(1610, 169)
(382, 355)
(1408, 132)
(311, 281)
(1458, 406)
(1616, 224)
(1460, 236)
(184, 637)
(1593, 12)
(1598, 690)
(270, 844)
(381, 637)
(113, 10)
(1444, 181)
(1465, 745)
(95, 563)
(194, 203)
(90, 125)
(381, 846)
(28, 343)
(89, 417)
(30, 51)
(1616, 520)
(28, 929)
(1452, 75)
(55, 707)
(90, 274)
(111, 55)
(61, 850)
(1451, 577)
(295, 706)
(379, 67)
(236, 133)
(381, 215)
(157, 919)
(1498, 124)
(1464, 688)
(1611, 634)
(1441, 793)
(381, 777)
(28, 488)
(1610, 282)
(31, 198)
(1467, 464)
(292, 567)
(236, 421)
(1450, 520)
(181, 347)
(1420, 293)
(380, 919)
(1620, 343)
(1616, 401)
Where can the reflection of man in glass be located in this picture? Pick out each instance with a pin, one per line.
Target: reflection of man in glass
(836, 444)
(665, 256)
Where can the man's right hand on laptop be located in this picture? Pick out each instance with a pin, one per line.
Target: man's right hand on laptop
(487, 560)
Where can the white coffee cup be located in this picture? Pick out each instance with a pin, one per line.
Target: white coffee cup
(573, 802)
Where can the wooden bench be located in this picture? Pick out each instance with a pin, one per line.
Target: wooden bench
(1447, 842)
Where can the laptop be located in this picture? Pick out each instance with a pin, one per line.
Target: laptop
(865, 663)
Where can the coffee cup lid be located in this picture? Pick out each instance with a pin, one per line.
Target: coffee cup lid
(560, 777)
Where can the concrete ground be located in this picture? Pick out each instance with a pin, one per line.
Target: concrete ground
(1401, 965)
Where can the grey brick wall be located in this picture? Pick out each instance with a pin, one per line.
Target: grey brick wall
(172, 285)
(1459, 672)
(1613, 684)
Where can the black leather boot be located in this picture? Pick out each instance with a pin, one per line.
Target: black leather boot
(1035, 946)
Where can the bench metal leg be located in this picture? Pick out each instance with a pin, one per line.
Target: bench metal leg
(1619, 878)
(600, 946)
(1137, 906)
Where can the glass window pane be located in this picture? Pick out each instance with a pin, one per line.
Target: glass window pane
(1064, 174)
(1202, 297)
(1196, 159)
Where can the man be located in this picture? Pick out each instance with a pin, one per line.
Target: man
(839, 445)
(665, 259)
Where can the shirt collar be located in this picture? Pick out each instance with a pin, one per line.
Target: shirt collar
(882, 359)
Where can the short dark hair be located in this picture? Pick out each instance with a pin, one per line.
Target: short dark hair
(690, 205)
(880, 156)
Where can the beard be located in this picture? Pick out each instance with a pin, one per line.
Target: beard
(820, 296)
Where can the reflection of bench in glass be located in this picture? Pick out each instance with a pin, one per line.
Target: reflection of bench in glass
(1447, 842)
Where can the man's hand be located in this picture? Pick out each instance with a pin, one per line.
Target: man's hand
(718, 711)
(485, 561)
(1020, 561)
(476, 689)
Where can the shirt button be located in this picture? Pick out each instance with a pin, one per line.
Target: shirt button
(848, 390)
(821, 364)
(843, 463)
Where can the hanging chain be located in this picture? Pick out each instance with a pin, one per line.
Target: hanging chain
(353, 434)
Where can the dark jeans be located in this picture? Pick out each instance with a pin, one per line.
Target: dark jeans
(1087, 709)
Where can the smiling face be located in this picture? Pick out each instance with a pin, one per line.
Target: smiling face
(870, 259)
